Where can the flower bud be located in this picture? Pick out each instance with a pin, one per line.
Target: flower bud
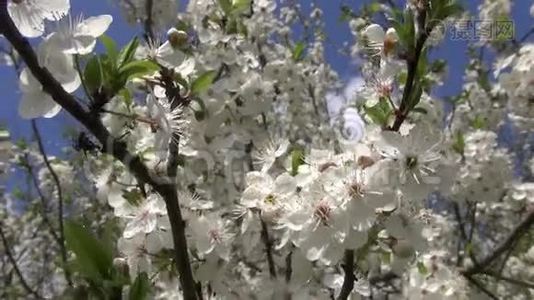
(177, 38)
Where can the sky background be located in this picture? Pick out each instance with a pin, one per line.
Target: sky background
(454, 52)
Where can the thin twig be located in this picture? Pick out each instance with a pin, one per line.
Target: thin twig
(148, 24)
(42, 198)
(15, 266)
(55, 177)
(516, 233)
(268, 247)
(132, 117)
(481, 287)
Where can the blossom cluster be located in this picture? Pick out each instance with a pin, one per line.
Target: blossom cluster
(224, 112)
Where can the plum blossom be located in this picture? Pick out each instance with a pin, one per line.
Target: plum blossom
(210, 235)
(143, 218)
(379, 42)
(29, 15)
(78, 36)
(35, 101)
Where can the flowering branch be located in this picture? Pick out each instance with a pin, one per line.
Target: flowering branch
(112, 146)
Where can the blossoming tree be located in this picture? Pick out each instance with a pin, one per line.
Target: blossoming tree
(208, 163)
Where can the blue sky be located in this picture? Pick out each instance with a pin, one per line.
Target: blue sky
(455, 52)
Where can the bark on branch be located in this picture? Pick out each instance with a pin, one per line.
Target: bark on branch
(348, 281)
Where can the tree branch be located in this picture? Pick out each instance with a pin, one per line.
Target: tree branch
(268, 247)
(348, 281)
(412, 63)
(516, 233)
(55, 177)
(481, 287)
(15, 266)
(110, 145)
(148, 23)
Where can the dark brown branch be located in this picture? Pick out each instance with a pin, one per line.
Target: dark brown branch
(481, 287)
(348, 281)
(268, 247)
(412, 62)
(110, 145)
(148, 22)
(465, 237)
(55, 177)
(515, 235)
(15, 266)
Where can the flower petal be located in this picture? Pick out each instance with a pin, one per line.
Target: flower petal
(374, 33)
(38, 104)
(94, 26)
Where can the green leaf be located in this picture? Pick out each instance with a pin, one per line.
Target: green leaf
(479, 122)
(297, 159)
(459, 143)
(422, 268)
(127, 53)
(415, 97)
(386, 257)
(126, 97)
(140, 289)
(346, 14)
(231, 25)
(298, 51)
(93, 74)
(226, 6)
(241, 6)
(242, 28)
(404, 24)
(203, 82)
(134, 197)
(110, 45)
(379, 113)
(92, 258)
(199, 108)
(137, 69)
(374, 7)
